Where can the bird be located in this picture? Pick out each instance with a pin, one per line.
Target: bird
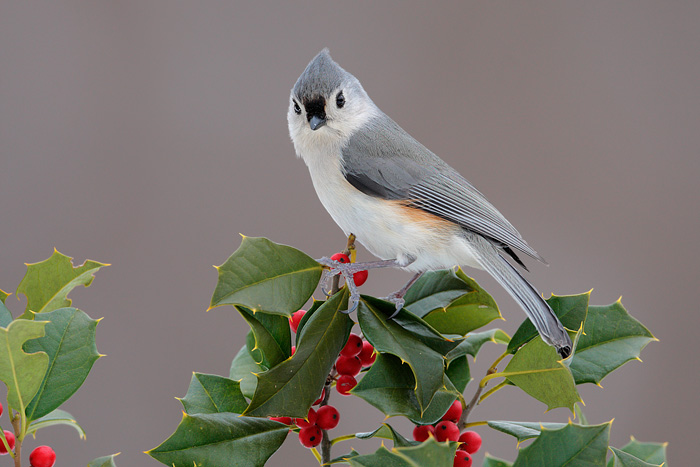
(402, 202)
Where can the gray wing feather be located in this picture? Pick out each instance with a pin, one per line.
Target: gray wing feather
(382, 160)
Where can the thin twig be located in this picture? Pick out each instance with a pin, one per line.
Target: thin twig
(17, 424)
(325, 439)
(474, 402)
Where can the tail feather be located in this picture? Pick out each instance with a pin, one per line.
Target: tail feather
(538, 311)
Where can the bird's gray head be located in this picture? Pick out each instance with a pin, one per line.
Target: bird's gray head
(327, 104)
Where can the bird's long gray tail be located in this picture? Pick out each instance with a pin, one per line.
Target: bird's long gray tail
(541, 315)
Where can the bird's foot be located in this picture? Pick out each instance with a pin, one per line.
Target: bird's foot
(397, 299)
(347, 270)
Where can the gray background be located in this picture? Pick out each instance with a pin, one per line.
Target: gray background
(148, 134)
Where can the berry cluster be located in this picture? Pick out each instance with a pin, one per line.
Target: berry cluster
(447, 430)
(310, 435)
(356, 354)
(41, 456)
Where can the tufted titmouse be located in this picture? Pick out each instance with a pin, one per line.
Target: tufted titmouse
(402, 202)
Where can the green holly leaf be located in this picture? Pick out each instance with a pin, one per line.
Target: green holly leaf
(622, 459)
(523, 430)
(433, 290)
(451, 302)
(538, 370)
(495, 462)
(265, 276)
(291, 387)
(388, 336)
(314, 306)
(106, 461)
(221, 439)
(429, 453)
(611, 337)
(458, 373)
(243, 370)
(571, 445)
(473, 342)
(213, 394)
(389, 385)
(386, 431)
(653, 453)
(21, 372)
(417, 326)
(48, 283)
(69, 342)
(57, 417)
(570, 309)
(5, 315)
(272, 336)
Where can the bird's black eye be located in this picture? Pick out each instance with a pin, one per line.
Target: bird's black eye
(297, 109)
(340, 100)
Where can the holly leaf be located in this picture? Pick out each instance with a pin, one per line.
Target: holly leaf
(495, 462)
(653, 453)
(265, 276)
(473, 342)
(388, 336)
(386, 431)
(57, 417)
(221, 439)
(570, 309)
(389, 385)
(622, 459)
(69, 342)
(213, 394)
(106, 461)
(458, 373)
(571, 445)
(272, 336)
(412, 323)
(611, 337)
(21, 372)
(314, 306)
(538, 370)
(48, 283)
(291, 387)
(451, 302)
(243, 370)
(5, 315)
(429, 453)
(523, 430)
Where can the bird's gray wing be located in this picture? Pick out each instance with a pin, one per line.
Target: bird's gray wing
(384, 161)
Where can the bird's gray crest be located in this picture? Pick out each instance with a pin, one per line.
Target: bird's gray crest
(320, 78)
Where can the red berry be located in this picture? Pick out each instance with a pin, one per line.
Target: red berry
(42, 456)
(294, 349)
(0, 409)
(320, 398)
(454, 412)
(342, 257)
(310, 420)
(462, 459)
(296, 319)
(348, 366)
(360, 277)
(353, 346)
(345, 383)
(328, 417)
(10, 437)
(367, 355)
(310, 436)
(446, 430)
(423, 432)
(285, 420)
(471, 441)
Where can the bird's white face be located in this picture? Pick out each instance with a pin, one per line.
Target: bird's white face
(320, 122)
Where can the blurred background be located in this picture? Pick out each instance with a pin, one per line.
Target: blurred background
(149, 134)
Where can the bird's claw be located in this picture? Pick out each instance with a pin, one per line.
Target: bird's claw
(398, 301)
(346, 270)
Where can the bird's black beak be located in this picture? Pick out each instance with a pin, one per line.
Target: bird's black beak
(317, 121)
